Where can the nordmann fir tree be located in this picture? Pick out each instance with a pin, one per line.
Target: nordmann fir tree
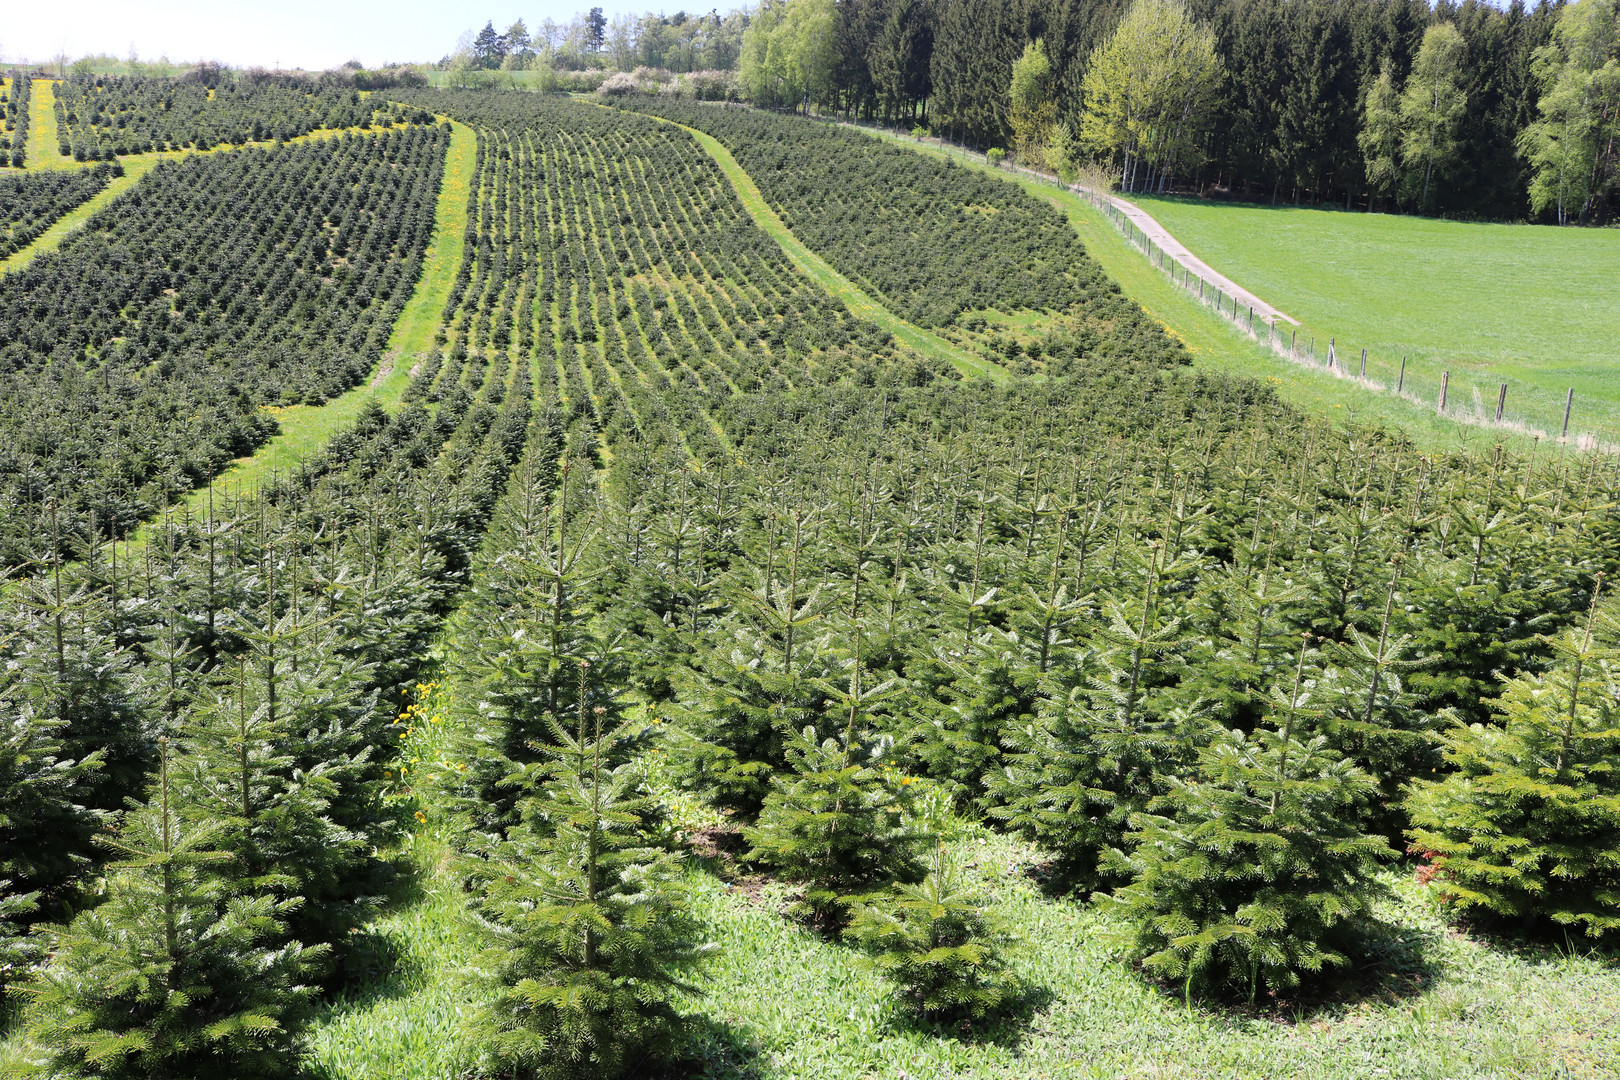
(834, 820)
(586, 917)
(1251, 872)
(177, 973)
(1526, 826)
(1106, 731)
(753, 685)
(938, 944)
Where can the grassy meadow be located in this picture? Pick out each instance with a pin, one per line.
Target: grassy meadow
(1530, 305)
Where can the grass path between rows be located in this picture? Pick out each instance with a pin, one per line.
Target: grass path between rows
(1214, 343)
(42, 142)
(822, 272)
(135, 167)
(305, 429)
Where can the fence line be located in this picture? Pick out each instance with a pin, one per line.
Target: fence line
(1302, 353)
(1305, 353)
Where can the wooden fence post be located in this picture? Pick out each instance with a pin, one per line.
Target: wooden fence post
(1401, 384)
(1445, 384)
(1293, 342)
(1251, 318)
(1363, 363)
(1501, 401)
(1333, 352)
(1569, 400)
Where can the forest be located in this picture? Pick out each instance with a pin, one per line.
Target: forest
(1471, 109)
(676, 592)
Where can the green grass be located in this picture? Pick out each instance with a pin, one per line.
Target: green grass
(822, 272)
(42, 144)
(1214, 343)
(783, 1003)
(407, 1021)
(1530, 305)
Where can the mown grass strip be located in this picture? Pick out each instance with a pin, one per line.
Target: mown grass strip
(307, 428)
(823, 274)
(71, 222)
(42, 143)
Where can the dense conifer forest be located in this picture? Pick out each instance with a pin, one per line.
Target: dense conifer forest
(674, 585)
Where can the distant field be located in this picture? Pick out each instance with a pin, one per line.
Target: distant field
(1533, 306)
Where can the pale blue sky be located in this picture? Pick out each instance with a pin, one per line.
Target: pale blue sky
(299, 33)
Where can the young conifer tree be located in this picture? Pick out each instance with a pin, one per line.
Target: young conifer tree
(1527, 825)
(587, 920)
(176, 973)
(834, 819)
(938, 944)
(1254, 872)
(238, 773)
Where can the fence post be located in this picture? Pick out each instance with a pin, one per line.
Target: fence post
(1401, 385)
(1569, 400)
(1293, 341)
(1501, 400)
(1333, 352)
(1445, 384)
(1363, 363)
(1251, 318)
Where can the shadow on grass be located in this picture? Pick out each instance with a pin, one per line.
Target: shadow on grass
(1005, 1028)
(1388, 964)
(1537, 941)
(714, 1050)
(369, 965)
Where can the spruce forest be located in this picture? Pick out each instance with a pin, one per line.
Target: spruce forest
(504, 581)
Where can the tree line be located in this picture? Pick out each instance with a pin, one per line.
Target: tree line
(14, 108)
(1461, 109)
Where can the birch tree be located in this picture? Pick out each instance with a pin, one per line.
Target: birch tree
(1149, 92)
(1432, 109)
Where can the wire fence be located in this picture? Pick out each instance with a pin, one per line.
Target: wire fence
(1507, 405)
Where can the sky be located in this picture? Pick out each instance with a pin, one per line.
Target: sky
(312, 34)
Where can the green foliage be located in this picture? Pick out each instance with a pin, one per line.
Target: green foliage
(1527, 823)
(176, 973)
(935, 941)
(834, 822)
(1031, 108)
(586, 920)
(1432, 109)
(1253, 871)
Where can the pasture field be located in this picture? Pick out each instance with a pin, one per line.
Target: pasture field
(1530, 305)
(714, 626)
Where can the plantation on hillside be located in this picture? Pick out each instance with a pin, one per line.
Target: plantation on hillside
(615, 249)
(138, 358)
(105, 116)
(993, 726)
(32, 201)
(932, 240)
